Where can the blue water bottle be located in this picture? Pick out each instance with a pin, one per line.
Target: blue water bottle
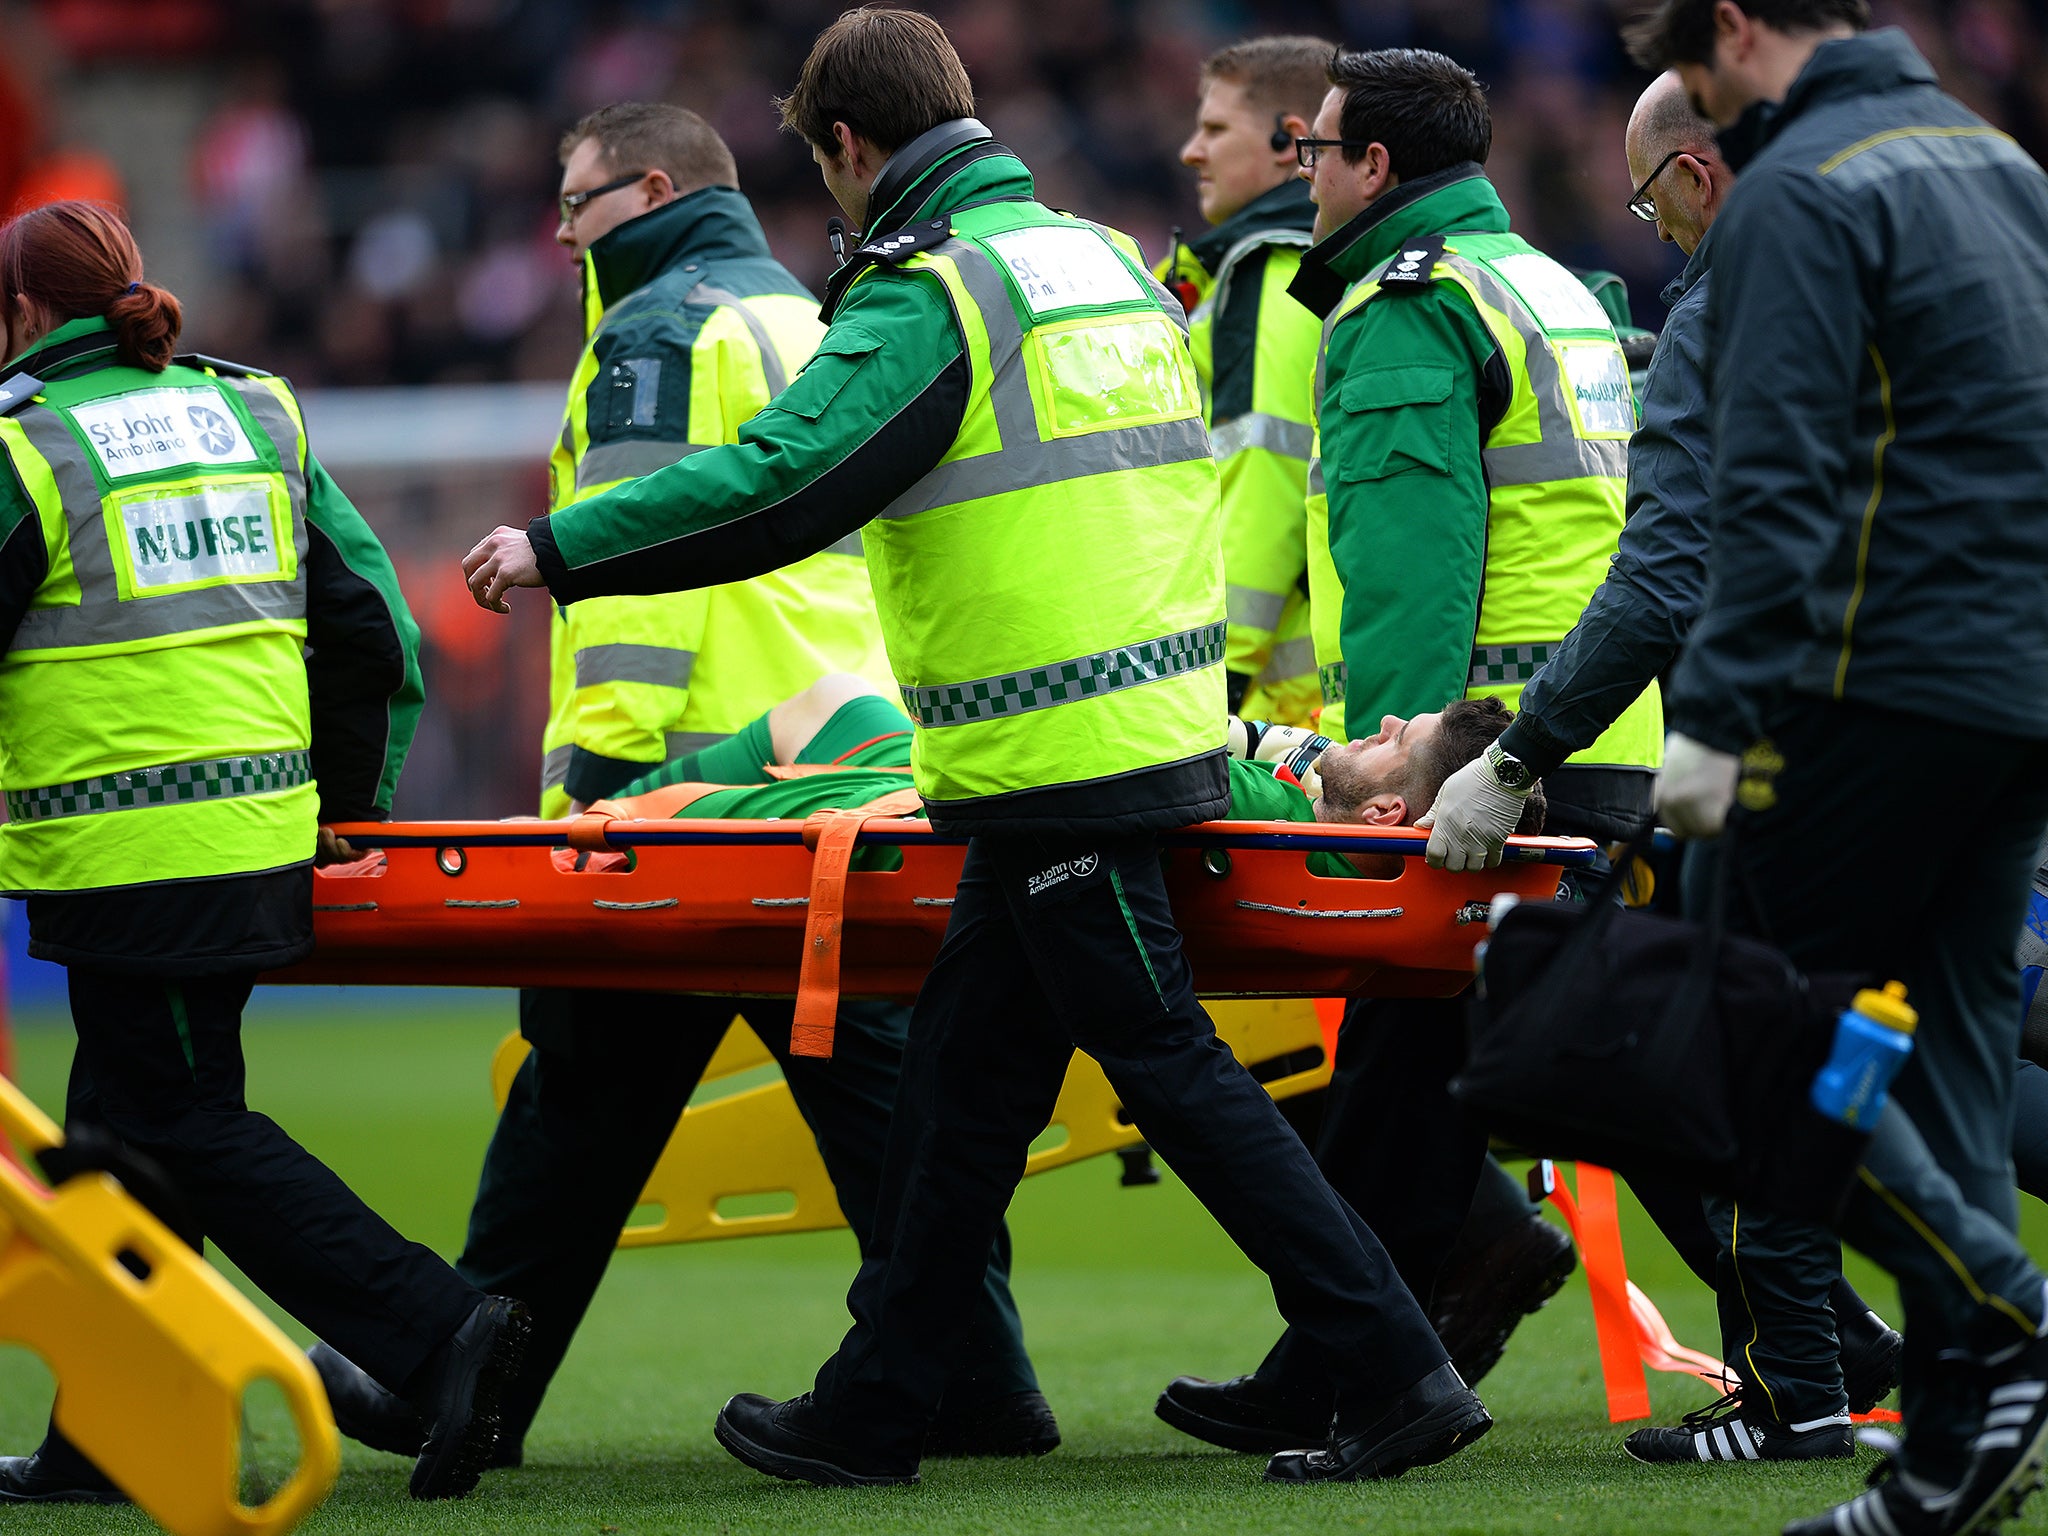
(1873, 1038)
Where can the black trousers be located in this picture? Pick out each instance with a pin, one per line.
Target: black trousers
(2030, 1129)
(159, 1065)
(1840, 884)
(1058, 942)
(593, 1106)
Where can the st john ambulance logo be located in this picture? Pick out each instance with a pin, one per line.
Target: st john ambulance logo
(147, 430)
(1060, 873)
(215, 433)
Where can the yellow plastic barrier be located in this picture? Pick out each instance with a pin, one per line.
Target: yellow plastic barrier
(739, 1148)
(151, 1348)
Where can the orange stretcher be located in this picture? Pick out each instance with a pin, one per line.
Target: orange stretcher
(770, 908)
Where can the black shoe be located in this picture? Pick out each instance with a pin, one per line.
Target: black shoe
(1870, 1360)
(363, 1409)
(1884, 1509)
(2007, 1453)
(773, 1437)
(383, 1420)
(1436, 1417)
(55, 1472)
(458, 1405)
(1487, 1289)
(1018, 1425)
(1730, 1431)
(1240, 1415)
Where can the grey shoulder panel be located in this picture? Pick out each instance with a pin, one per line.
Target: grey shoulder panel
(17, 391)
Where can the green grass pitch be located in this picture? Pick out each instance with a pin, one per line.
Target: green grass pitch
(1121, 1289)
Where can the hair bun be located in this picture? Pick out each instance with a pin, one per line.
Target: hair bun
(146, 321)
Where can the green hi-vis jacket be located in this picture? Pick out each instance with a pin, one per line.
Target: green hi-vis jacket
(207, 654)
(1254, 348)
(693, 327)
(1474, 419)
(1005, 392)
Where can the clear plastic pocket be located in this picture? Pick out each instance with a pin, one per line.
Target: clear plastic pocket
(1087, 369)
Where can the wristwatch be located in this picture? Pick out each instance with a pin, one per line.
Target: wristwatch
(1512, 772)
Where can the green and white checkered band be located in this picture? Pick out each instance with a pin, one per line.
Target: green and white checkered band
(1496, 664)
(1066, 682)
(218, 778)
(1332, 677)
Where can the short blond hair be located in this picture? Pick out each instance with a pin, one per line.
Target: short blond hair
(1284, 75)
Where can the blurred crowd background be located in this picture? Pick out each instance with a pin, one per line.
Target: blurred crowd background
(359, 194)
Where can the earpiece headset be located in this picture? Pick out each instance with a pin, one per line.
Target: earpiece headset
(1281, 139)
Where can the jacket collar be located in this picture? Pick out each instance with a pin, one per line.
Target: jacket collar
(710, 224)
(1286, 206)
(1695, 268)
(1456, 199)
(959, 176)
(90, 340)
(966, 176)
(1842, 67)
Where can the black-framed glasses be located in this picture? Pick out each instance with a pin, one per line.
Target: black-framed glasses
(1640, 203)
(1306, 150)
(571, 201)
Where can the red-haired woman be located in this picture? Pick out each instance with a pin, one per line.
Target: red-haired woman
(206, 656)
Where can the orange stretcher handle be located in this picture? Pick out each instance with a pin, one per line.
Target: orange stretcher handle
(831, 836)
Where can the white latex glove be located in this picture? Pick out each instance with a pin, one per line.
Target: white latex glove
(1696, 787)
(1472, 818)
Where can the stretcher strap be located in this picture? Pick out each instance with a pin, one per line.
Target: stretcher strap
(590, 851)
(663, 804)
(831, 835)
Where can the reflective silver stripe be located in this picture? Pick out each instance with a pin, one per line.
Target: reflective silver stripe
(1315, 477)
(677, 743)
(1226, 269)
(1024, 462)
(1253, 608)
(1290, 659)
(1067, 682)
(659, 665)
(1568, 458)
(278, 425)
(1009, 392)
(629, 460)
(771, 360)
(1333, 678)
(100, 617)
(850, 545)
(554, 768)
(1258, 429)
(1034, 464)
(1494, 665)
(1562, 454)
(214, 778)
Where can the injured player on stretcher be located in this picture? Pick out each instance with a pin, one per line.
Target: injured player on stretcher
(842, 744)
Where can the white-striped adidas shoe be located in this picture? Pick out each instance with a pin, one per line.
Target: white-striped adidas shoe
(1729, 1432)
(2007, 1454)
(1886, 1508)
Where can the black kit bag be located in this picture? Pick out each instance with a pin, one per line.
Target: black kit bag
(1645, 1043)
